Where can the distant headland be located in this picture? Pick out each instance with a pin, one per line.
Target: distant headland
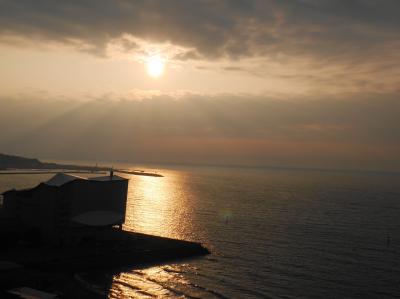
(11, 162)
(17, 163)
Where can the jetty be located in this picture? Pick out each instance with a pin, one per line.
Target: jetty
(111, 249)
(54, 269)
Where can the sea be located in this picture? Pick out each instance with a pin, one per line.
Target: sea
(272, 233)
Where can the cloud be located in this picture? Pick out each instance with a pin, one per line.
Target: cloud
(313, 46)
(358, 129)
(326, 30)
(323, 48)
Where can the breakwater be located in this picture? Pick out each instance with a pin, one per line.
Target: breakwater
(48, 267)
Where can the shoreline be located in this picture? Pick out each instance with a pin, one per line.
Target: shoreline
(22, 164)
(47, 268)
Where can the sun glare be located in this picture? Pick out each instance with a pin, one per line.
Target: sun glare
(155, 66)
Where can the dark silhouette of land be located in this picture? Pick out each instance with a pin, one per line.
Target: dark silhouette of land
(11, 162)
(111, 251)
(8, 162)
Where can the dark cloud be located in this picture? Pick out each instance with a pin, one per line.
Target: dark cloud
(328, 29)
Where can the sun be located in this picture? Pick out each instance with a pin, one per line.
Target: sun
(155, 66)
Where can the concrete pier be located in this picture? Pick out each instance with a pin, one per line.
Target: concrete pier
(111, 251)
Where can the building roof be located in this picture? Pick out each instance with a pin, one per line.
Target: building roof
(108, 178)
(62, 178)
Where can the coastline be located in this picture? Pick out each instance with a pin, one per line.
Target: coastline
(20, 165)
(49, 268)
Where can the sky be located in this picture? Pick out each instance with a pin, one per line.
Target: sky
(290, 83)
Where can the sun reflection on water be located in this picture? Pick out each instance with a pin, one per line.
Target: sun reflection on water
(164, 207)
(154, 282)
(159, 206)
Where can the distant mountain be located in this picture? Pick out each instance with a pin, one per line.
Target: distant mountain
(8, 161)
(16, 162)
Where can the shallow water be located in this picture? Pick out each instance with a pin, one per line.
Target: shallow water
(272, 233)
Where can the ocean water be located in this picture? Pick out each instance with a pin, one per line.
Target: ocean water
(272, 233)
